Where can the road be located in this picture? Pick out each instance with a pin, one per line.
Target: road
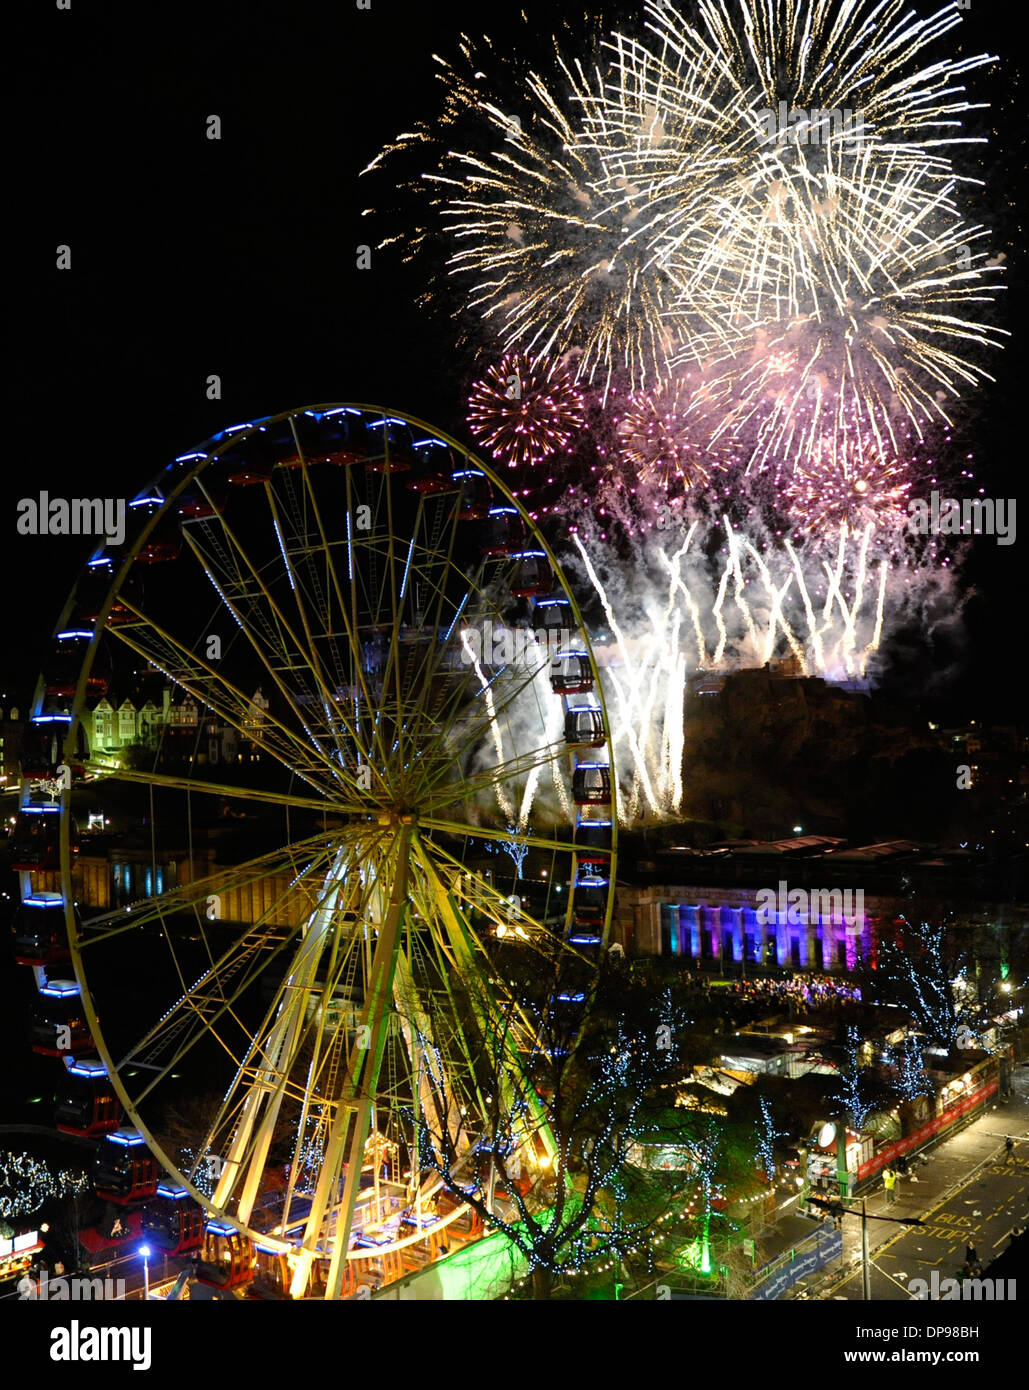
(984, 1211)
(965, 1191)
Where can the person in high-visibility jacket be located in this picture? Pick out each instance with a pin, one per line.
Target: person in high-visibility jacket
(889, 1183)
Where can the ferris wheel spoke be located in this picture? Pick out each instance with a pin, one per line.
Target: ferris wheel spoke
(348, 1132)
(500, 692)
(210, 688)
(505, 1032)
(305, 588)
(248, 599)
(279, 1038)
(450, 746)
(430, 672)
(99, 928)
(438, 1051)
(197, 784)
(498, 837)
(499, 777)
(484, 898)
(458, 946)
(350, 612)
(210, 1004)
(469, 887)
(426, 568)
(293, 549)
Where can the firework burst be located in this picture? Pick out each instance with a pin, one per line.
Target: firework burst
(694, 608)
(846, 484)
(661, 443)
(641, 206)
(523, 410)
(867, 318)
(760, 199)
(559, 211)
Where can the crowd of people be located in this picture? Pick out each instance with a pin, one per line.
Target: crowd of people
(801, 991)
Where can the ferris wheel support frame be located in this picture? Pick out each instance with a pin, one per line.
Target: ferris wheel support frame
(353, 1111)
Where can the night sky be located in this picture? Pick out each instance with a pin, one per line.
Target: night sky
(237, 257)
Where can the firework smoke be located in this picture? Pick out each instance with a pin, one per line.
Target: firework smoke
(715, 598)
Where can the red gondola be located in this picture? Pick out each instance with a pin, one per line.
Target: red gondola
(40, 931)
(42, 751)
(94, 589)
(335, 436)
(86, 1103)
(590, 903)
(59, 1026)
(532, 575)
(436, 464)
(476, 498)
(248, 463)
(61, 668)
(505, 532)
(226, 1257)
(194, 505)
(35, 839)
(593, 842)
(392, 446)
(172, 1221)
(553, 614)
(124, 1169)
(163, 544)
(571, 674)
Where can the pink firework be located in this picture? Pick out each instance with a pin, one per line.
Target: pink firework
(664, 437)
(847, 481)
(524, 409)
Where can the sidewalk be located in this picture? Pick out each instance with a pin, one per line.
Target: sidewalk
(952, 1164)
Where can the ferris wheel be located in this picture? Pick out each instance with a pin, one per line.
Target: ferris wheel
(380, 748)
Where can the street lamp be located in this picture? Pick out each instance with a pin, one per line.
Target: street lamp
(144, 1250)
(837, 1209)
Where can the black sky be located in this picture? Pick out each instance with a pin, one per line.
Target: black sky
(237, 257)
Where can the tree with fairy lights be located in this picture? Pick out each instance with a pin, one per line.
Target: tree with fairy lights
(851, 1094)
(906, 1066)
(920, 969)
(26, 1183)
(566, 1102)
(766, 1136)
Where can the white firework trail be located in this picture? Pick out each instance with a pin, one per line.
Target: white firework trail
(506, 806)
(756, 605)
